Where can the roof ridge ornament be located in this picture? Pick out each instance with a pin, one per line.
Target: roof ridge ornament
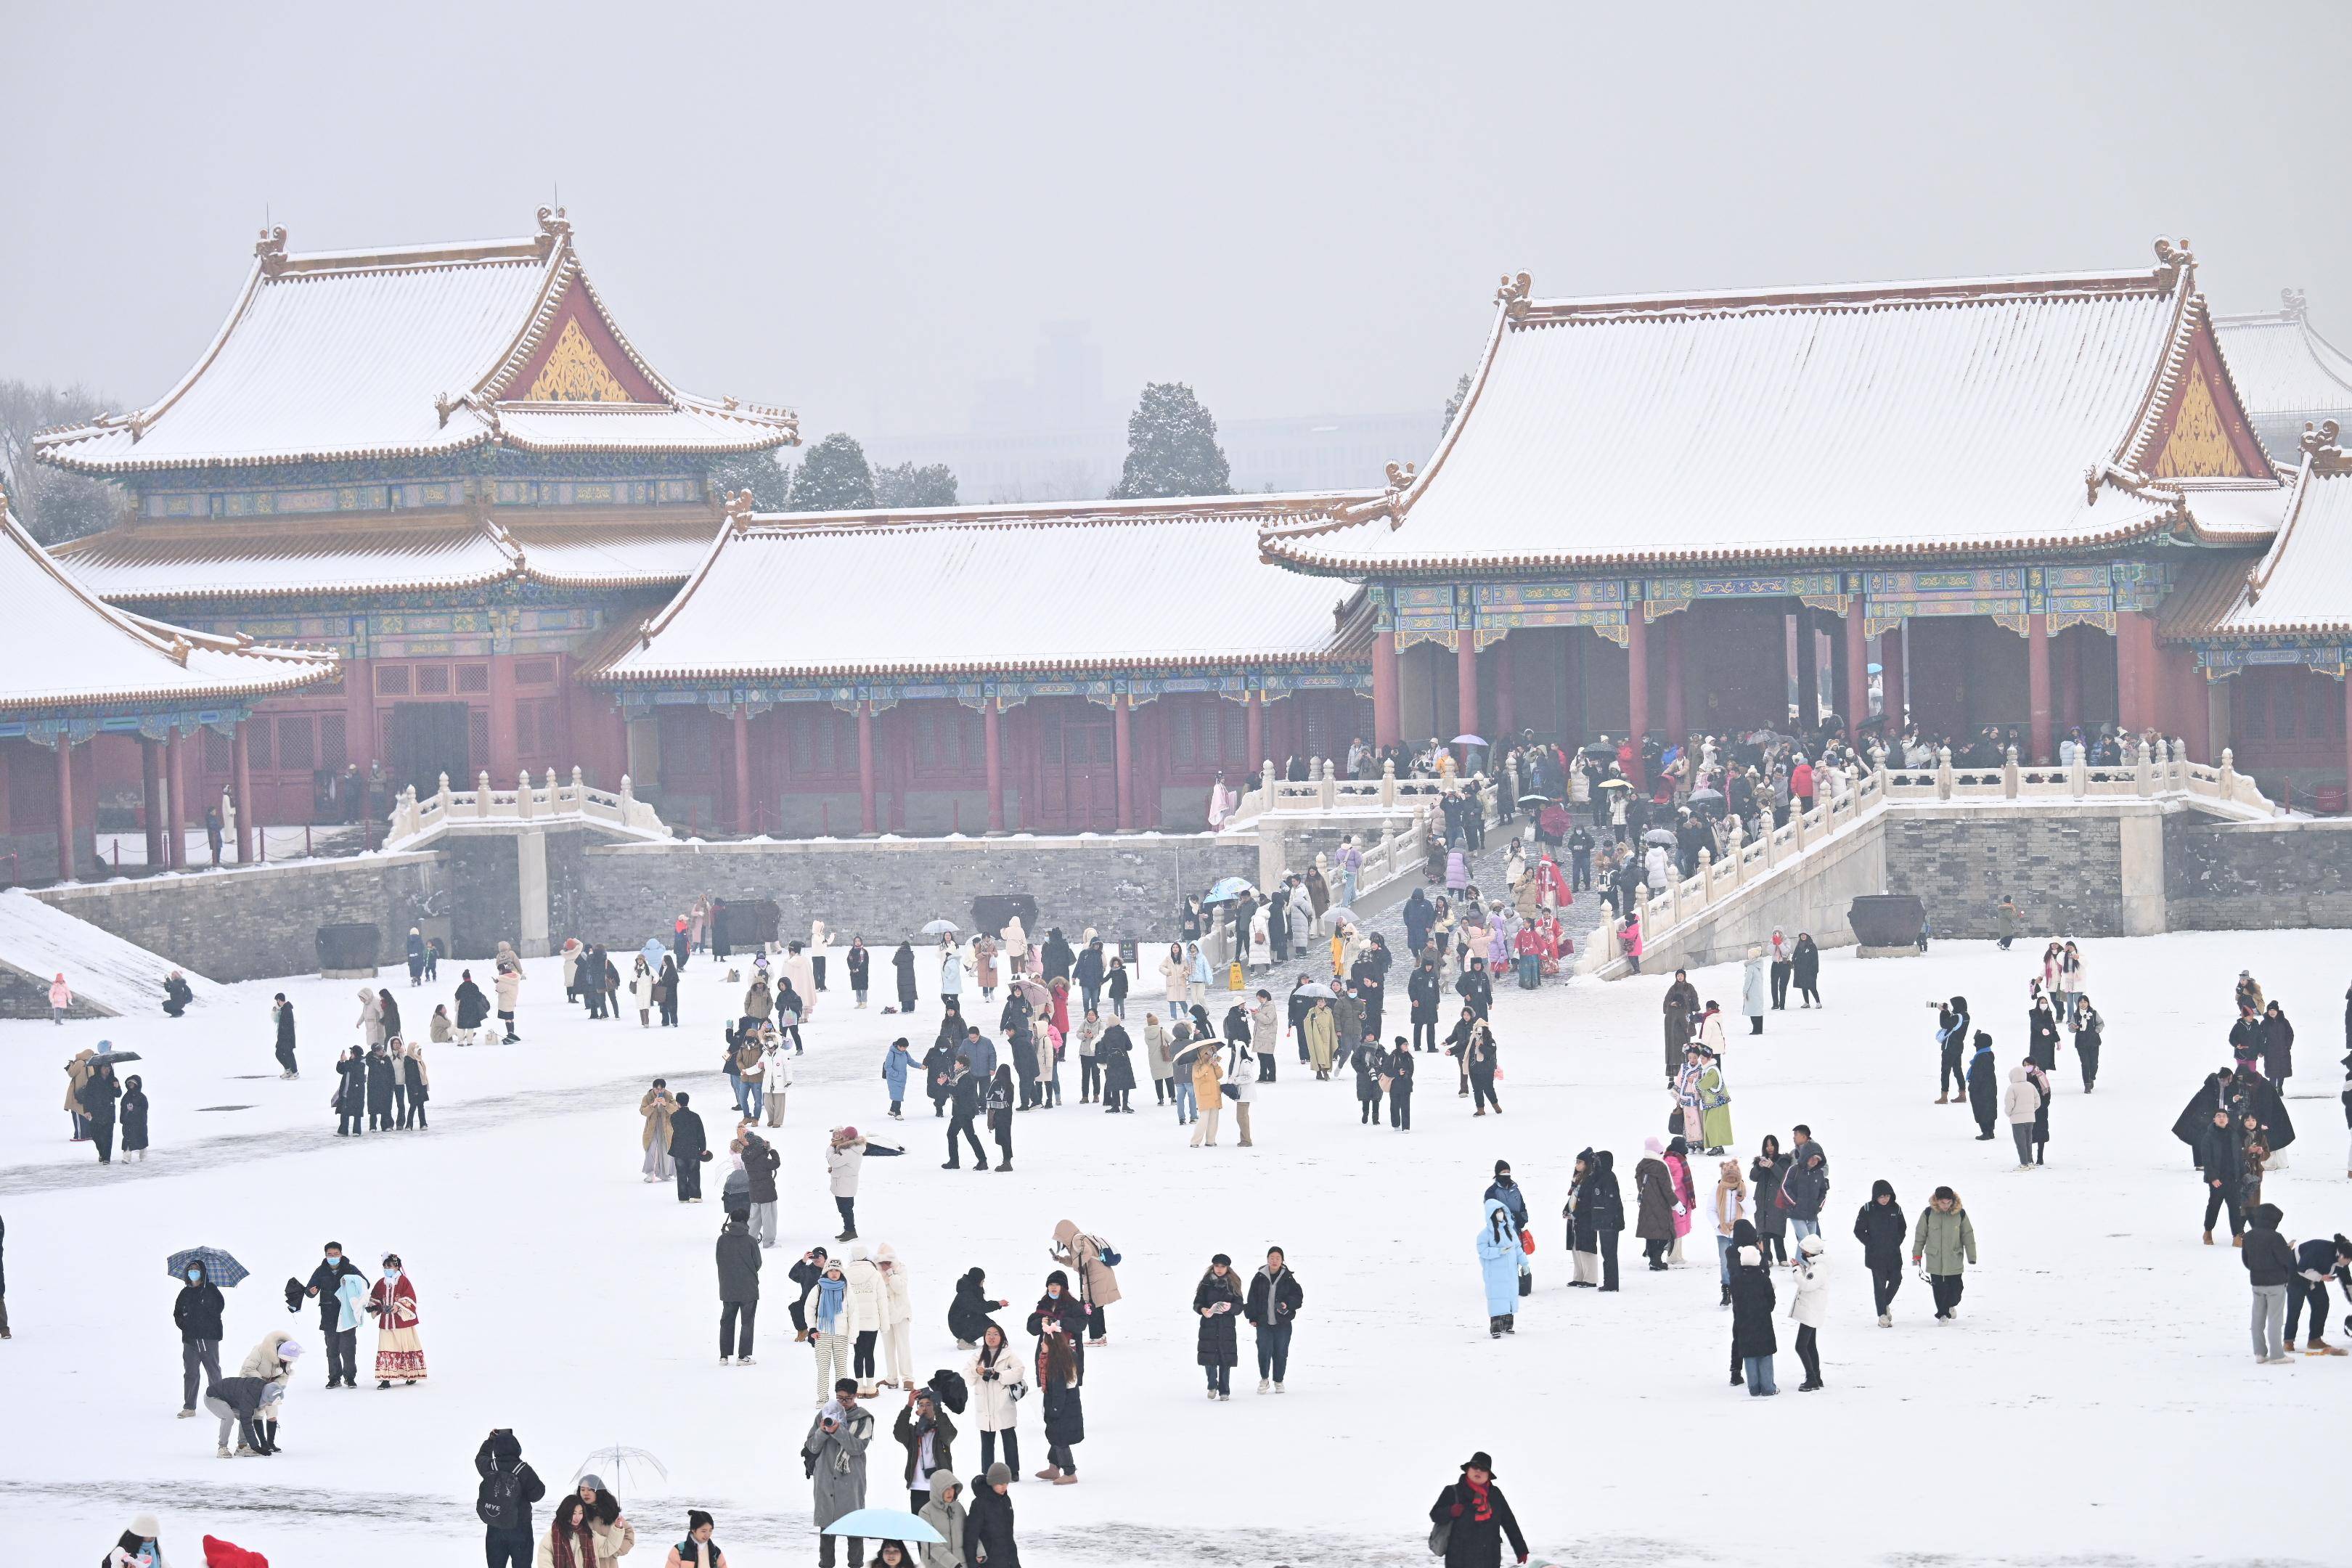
(1391, 501)
(2320, 444)
(2294, 305)
(270, 250)
(1514, 294)
(554, 230)
(2174, 261)
(739, 510)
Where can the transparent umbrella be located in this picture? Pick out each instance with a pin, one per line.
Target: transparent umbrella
(624, 1469)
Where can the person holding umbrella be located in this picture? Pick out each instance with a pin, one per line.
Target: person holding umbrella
(97, 1097)
(197, 1312)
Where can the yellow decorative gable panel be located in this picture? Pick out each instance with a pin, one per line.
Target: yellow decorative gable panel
(2199, 448)
(573, 373)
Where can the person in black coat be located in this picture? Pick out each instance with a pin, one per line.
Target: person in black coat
(903, 961)
(1476, 989)
(1753, 1342)
(1805, 969)
(1396, 1064)
(1116, 1051)
(860, 964)
(1475, 1517)
(1882, 1229)
(2220, 1155)
(968, 1314)
(1370, 1065)
(378, 1090)
(1598, 1209)
(1765, 1175)
(176, 995)
(1984, 1095)
(282, 1011)
(1424, 991)
(342, 1360)
(510, 1540)
(687, 1146)
(738, 1257)
(2090, 1030)
(197, 1311)
(349, 1098)
(1060, 1305)
(1088, 972)
(939, 1065)
(2278, 1047)
(1218, 1299)
(988, 1523)
(803, 1275)
(99, 1093)
(2042, 1035)
(134, 1116)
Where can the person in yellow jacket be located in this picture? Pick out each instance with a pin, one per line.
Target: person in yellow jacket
(1206, 1066)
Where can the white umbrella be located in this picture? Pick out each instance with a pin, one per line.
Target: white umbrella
(1469, 741)
(940, 928)
(1343, 914)
(1315, 988)
(621, 1465)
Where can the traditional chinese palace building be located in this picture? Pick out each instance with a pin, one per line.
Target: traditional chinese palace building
(445, 464)
(2037, 502)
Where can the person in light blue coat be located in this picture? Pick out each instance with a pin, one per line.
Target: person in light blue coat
(1498, 1263)
(1751, 990)
(895, 1063)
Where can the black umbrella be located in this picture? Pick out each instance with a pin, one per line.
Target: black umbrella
(108, 1058)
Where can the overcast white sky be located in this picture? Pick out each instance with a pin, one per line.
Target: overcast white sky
(862, 210)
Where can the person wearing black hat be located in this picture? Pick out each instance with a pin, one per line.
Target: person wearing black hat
(1472, 1516)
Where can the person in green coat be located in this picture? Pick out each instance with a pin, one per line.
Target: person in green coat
(1714, 1103)
(1943, 1239)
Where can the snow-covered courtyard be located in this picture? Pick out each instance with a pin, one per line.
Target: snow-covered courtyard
(2096, 1399)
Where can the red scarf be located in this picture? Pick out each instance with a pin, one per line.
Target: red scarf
(1482, 1506)
(563, 1548)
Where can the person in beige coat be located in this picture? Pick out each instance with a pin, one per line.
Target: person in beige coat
(2018, 1103)
(371, 1019)
(898, 1316)
(1177, 972)
(1204, 1063)
(1082, 1255)
(655, 1108)
(1016, 947)
(509, 987)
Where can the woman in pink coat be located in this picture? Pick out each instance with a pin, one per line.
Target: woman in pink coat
(1686, 1195)
(60, 998)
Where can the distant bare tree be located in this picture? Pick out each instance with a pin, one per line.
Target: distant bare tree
(52, 504)
(1453, 403)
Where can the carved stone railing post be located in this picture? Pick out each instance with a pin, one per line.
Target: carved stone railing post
(1943, 773)
(1388, 781)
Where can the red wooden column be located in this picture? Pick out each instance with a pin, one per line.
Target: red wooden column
(2037, 686)
(151, 786)
(2347, 734)
(1809, 672)
(1257, 710)
(1506, 706)
(1465, 682)
(866, 815)
(1637, 681)
(1676, 734)
(742, 769)
(2134, 679)
(242, 764)
(505, 755)
(65, 809)
(1857, 670)
(1388, 715)
(991, 735)
(1123, 759)
(2069, 647)
(175, 808)
(1890, 659)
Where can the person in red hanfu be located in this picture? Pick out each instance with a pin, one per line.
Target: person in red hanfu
(399, 1354)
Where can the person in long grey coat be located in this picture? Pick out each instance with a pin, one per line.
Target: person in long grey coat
(836, 1451)
(1751, 990)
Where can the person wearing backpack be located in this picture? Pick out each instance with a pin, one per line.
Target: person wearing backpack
(509, 1487)
(1094, 1260)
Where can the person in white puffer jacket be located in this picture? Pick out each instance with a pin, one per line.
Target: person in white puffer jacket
(897, 1328)
(868, 1314)
(1808, 1306)
(997, 1379)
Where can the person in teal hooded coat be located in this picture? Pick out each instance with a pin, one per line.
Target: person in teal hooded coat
(1498, 1263)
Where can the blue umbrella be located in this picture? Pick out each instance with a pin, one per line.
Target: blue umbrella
(220, 1268)
(883, 1524)
(1227, 889)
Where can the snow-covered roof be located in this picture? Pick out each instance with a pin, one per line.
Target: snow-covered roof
(2303, 584)
(1868, 422)
(279, 557)
(62, 646)
(2288, 374)
(959, 590)
(411, 353)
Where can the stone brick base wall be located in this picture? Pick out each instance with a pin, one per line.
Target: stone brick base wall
(884, 889)
(2257, 875)
(2065, 871)
(251, 924)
